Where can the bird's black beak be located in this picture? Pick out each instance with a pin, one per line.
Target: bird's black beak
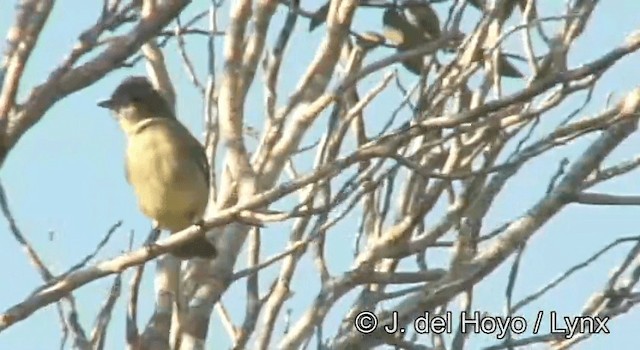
(106, 104)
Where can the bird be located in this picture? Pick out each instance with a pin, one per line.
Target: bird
(398, 31)
(408, 26)
(422, 16)
(411, 23)
(164, 163)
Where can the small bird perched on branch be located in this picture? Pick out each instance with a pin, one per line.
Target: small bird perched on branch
(164, 163)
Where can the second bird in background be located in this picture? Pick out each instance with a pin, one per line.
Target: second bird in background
(165, 164)
(408, 26)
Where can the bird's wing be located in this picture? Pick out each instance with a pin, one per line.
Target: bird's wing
(195, 147)
(203, 163)
(507, 69)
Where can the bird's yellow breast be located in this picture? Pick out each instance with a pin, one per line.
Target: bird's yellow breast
(170, 185)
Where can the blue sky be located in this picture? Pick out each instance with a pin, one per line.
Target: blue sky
(66, 176)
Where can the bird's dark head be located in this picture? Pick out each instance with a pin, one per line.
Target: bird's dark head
(136, 99)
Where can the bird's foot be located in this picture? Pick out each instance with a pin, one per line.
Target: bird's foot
(199, 224)
(151, 247)
(150, 243)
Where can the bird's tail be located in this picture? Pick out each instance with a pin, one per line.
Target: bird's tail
(198, 247)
